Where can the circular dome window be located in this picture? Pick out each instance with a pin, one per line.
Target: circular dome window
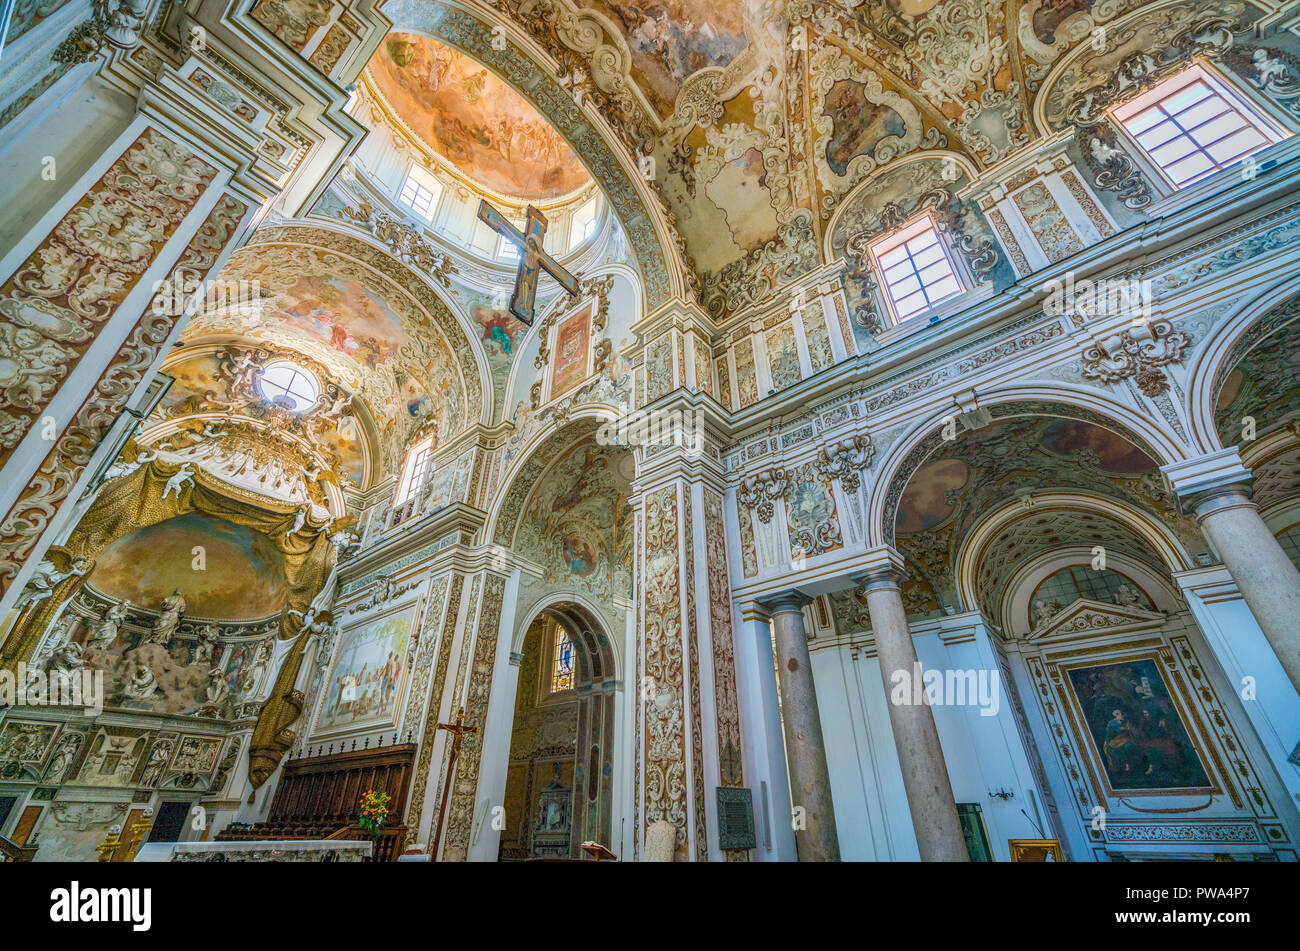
(289, 385)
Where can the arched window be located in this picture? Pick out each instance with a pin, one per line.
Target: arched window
(1061, 589)
(562, 662)
(284, 381)
(1289, 539)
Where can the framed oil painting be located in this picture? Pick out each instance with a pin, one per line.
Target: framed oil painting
(1138, 731)
(365, 683)
(572, 351)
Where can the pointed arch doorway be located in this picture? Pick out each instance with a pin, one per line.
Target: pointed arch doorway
(560, 773)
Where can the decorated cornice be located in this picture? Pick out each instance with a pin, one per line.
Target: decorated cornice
(403, 240)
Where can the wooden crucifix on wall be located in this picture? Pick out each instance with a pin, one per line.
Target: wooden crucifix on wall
(457, 731)
(532, 259)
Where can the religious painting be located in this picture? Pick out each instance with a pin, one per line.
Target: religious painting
(1051, 21)
(572, 350)
(926, 500)
(577, 522)
(579, 555)
(673, 39)
(497, 330)
(858, 125)
(1137, 731)
(363, 688)
(474, 120)
(242, 578)
(343, 314)
(294, 21)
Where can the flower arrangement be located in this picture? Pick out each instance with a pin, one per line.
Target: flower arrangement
(374, 810)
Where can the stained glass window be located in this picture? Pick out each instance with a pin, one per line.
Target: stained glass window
(562, 667)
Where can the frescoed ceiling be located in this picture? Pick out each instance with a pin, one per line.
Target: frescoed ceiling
(467, 115)
(1039, 532)
(966, 478)
(371, 338)
(577, 521)
(1263, 385)
(762, 116)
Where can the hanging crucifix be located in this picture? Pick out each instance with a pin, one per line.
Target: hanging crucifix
(532, 259)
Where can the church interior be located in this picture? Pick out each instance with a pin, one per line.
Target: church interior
(650, 430)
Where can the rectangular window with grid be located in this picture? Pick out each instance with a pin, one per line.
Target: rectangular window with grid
(420, 192)
(915, 269)
(417, 470)
(1191, 126)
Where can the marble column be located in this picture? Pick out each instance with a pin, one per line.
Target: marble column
(805, 751)
(925, 774)
(1215, 487)
(1262, 571)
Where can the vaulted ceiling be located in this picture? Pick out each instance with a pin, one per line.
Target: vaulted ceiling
(761, 116)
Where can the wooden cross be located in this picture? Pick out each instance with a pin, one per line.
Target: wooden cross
(532, 259)
(457, 731)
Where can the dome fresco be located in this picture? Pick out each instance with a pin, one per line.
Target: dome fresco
(471, 118)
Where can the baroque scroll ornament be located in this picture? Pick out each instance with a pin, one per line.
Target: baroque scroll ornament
(846, 460)
(757, 492)
(404, 241)
(1138, 352)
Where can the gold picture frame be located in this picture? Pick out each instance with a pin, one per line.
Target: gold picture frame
(1035, 850)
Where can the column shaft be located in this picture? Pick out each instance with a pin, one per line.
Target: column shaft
(805, 750)
(1262, 571)
(925, 774)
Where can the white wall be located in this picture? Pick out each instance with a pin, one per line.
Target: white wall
(984, 754)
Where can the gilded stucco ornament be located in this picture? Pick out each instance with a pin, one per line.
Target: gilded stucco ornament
(846, 460)
(404, 241)
(1139, 353)
(757, 492)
